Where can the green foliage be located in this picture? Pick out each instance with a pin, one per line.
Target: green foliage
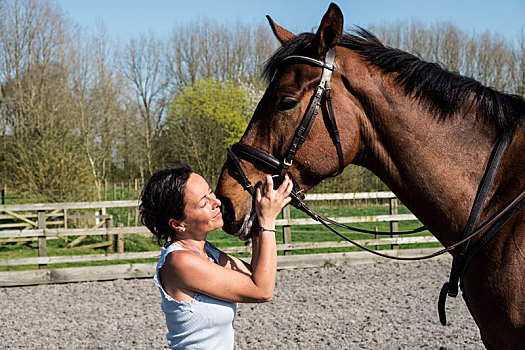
(218, 101)
(202, 121)
(52, 169)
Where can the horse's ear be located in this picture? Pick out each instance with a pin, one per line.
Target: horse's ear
(330, 30)
(280, 33)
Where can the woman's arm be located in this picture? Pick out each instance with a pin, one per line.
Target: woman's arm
(266, 220)
(233, 263)
(189, 271)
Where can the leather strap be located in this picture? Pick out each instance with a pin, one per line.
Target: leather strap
(479, 201)
(244, 181)
(258, 156)
(458, 269)
(307, 122)
(514, 207)
(334, 131)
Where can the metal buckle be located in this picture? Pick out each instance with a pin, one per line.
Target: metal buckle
(329, 66)
(288, 164)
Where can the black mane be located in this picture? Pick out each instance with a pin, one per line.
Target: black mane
(442, 91)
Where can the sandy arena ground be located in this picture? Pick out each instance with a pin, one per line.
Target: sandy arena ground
(375, 306)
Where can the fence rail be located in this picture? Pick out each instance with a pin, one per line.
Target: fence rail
(35, 217)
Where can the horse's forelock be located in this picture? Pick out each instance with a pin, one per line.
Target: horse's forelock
(292, 47)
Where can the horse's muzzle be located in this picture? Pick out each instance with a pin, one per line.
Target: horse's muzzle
(238, 228)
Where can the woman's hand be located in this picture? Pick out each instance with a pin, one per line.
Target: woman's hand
(269, 202)
(187, 270)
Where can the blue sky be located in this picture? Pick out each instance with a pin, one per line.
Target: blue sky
(130, 18)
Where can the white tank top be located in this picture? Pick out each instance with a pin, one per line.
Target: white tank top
(204, 323)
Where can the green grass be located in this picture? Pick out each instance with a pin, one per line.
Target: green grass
(22, 198)
(137, 243)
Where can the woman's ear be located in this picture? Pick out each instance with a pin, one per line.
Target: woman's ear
(177, 225)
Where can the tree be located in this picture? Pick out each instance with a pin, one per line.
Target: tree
(207, 49)
(519, 71)
(486, 57)
(98, 103)
(202, 121)
(42, 149)
(144, 69)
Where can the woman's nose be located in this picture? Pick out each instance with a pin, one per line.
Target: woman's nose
(217, 202)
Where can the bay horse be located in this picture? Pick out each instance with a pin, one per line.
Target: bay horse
(426, 132)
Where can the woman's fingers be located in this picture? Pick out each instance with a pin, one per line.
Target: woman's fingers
(289, 187)
(286, 187)
(258, 194)
(269, 202)
(287, 191)
(283, 192)
(269, 185)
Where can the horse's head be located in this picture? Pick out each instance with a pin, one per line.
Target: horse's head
(293, 83)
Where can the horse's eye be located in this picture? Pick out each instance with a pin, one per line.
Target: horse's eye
(286, 103)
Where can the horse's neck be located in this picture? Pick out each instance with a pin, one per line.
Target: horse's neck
(433, 167)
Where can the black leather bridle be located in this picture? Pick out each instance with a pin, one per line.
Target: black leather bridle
(281, 167)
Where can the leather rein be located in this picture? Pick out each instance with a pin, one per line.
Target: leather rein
(280, 168)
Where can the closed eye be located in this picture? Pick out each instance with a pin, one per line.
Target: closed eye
(286, 103)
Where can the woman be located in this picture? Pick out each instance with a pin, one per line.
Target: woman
(199, 284)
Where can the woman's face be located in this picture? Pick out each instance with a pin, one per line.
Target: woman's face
(202, 208)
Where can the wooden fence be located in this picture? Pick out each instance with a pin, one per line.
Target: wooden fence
(43, 222)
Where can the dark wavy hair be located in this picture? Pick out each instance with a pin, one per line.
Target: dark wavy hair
(162, 199)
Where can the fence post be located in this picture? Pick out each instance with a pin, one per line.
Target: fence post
(66, 238)
(108, 223)
(42, 243)
(287, 230)
(120, 240)
(376, 236)
(119, 244)
(394, 224)
(3, 195)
